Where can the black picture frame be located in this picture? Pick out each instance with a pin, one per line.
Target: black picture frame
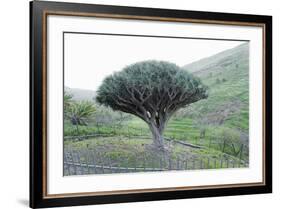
(38, 12)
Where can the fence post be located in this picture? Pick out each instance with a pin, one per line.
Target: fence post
(221, 162)
(94, 160)
(144, 164)
(178, 163)
(135, 164)
(153, 162)
(102, 168)
(66, 164)
(170, 163)
(127, 166)
(110, 168)
(193, 164)
(75, 167)
(208, 163)
(201, 163)
(227, 163)
(87, 161)
(79, 162)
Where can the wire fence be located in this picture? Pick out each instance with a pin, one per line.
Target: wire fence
(81, 162)
(89, 161)
(241, 150)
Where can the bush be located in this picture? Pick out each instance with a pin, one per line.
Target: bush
(230, 141)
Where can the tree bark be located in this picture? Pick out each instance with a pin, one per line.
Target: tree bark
(157, 136)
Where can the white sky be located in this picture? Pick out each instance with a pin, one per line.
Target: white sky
(90, 58)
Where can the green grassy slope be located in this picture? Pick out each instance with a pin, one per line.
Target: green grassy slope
(227, 76)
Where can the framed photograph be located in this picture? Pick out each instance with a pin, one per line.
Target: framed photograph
(140, 104)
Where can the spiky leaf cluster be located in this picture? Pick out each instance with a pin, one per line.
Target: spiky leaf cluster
(79, 112)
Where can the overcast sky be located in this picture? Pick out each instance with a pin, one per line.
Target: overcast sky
(90, 58)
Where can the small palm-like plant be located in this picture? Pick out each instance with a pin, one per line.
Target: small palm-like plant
(79, 113)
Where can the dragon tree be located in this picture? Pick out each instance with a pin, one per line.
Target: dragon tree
(152, 91)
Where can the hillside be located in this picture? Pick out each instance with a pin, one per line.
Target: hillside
(227, 76)
(220, 60)
(80, 94)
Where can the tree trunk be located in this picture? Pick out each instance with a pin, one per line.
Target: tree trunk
(157, 136)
